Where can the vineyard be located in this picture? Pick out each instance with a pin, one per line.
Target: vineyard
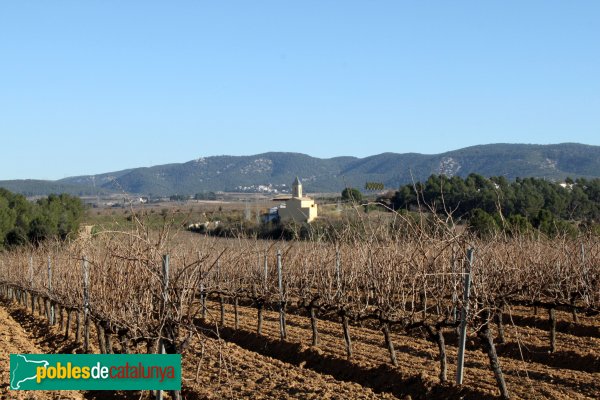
(369, 314)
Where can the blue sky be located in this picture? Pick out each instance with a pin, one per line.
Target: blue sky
(95, 86)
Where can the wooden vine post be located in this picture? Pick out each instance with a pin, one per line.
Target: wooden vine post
(552, 323)
(50, 303)
(30, 282)
(202, 292)
(282, 330)
(313, 323)
(260, 303)
(165, 299)
(86, 306)
(585, 280)
(32, 295)
(221, 297)
(338, 277)
(203, 300)
(342, 312)
(462, 338)
(266, 277)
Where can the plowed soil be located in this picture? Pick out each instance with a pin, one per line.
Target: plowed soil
(15, 339)
(228, 371)
(237, 364)
(531, 372)
(212, 368)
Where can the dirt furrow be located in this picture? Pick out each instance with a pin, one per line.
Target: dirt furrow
(14, 339)
(418, 357)
(212, 369)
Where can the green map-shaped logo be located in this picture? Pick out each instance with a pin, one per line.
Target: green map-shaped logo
(23, 368)
(95, 371)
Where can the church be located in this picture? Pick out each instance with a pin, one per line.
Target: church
(298, 208)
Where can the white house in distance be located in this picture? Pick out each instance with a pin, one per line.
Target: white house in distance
(298, 208)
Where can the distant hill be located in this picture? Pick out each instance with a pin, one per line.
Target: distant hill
(257, 172)
(33, 187)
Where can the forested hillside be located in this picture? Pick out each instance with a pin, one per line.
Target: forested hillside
(270, 172)
(496, 203)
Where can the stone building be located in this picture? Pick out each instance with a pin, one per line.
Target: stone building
(298, 208)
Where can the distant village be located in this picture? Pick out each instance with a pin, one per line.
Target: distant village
(291, 206)
(294, 208)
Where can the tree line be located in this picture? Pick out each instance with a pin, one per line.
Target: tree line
(22, 221)
(491, 204)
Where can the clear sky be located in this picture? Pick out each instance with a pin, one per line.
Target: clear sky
(96, 86)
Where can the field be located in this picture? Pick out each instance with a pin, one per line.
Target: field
(570, 373)
(234, 207)
(355, 315)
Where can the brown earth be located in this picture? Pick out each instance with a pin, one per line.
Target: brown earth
(242, 364)
(15, 339)
(221, 371)
(228, 371)
(572, 372)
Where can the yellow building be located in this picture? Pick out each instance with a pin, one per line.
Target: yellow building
(297, 208)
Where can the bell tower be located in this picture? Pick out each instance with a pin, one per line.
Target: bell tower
(297, 188)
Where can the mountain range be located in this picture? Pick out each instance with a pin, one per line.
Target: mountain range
(275, 171)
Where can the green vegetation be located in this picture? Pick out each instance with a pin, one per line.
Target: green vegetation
(517, 207)
(205, 196)
(21, 221)
(351, 195)
(178, 197)
(34, 187)
(374, 186)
